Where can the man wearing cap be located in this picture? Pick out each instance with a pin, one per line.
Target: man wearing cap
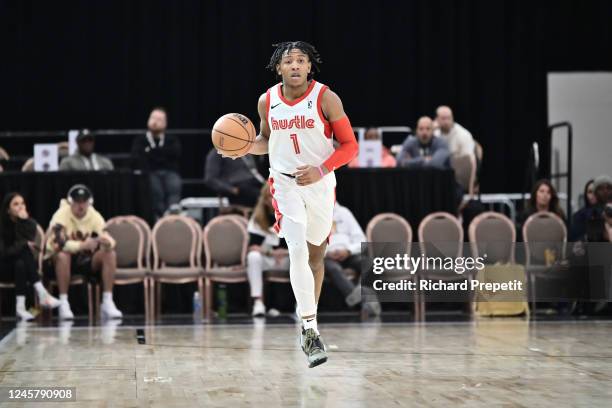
(84, 159)
(79, 244)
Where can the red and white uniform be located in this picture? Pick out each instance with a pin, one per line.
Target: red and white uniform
(300, 135)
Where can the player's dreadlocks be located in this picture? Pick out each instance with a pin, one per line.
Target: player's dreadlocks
(308, 49)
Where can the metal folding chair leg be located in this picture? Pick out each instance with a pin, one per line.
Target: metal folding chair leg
(90, 311)
(201, 290)
(208, 298)
(145, 284)
(158, 299)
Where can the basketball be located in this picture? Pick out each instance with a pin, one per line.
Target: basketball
(233, 134)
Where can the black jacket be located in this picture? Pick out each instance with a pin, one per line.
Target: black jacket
(15, 236)
(150, 158)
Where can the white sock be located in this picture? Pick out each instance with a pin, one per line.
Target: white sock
(40, 289)
(20, 305)
(63, 298)
(107, 297)
(310, 324)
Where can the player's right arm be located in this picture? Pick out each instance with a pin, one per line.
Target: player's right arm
(260, 146)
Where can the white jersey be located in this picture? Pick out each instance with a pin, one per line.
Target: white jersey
(300, 134)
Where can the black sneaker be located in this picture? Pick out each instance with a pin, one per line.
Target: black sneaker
(313, 347)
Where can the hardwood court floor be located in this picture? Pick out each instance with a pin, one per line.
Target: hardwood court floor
(483, 363)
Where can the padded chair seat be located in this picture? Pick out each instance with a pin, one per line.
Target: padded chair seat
(277, 274)
(226, 273)
(177, 272)
(76, 279)
(130, 273)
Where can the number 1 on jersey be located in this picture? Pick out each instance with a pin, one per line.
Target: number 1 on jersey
(296, 145)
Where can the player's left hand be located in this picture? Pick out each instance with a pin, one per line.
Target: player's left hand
(306, 175)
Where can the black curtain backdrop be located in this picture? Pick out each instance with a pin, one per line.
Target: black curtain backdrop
(104, 64)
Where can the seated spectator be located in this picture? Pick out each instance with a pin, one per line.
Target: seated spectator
(266, 249)
(84, 159)
(79, 245)
(344, 251)
(425, 150)
(17, 262)
(543, 198)
(459, 139)
(598, 215)
(387, 159)
(158, 154)
(579, 219)
(238, 180)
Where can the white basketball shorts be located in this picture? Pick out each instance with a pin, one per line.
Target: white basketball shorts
(311, 205)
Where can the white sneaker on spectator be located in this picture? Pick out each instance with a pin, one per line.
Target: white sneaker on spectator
(110, 311)
(65, 313)
(272, 312)
(24, 315)
(259, 309)
(48, 301)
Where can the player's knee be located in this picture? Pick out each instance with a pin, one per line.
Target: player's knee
(316, 262)
(298, 251)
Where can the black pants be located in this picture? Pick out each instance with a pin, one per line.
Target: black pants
(249, 192)
(166, 188)
(333, 269)
(20, 268)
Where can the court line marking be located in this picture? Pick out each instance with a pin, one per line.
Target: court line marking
(408, 325)
(67, 369)
(7, 338)
(539, 354)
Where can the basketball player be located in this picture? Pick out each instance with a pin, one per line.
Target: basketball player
(298, 117)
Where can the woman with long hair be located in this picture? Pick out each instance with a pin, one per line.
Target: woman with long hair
(266, 249)
(544, 198)
(17, 262)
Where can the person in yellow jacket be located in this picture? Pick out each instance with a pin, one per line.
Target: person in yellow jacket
(79, 244)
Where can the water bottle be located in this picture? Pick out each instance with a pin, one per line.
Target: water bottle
(222, 301)
(197, 304)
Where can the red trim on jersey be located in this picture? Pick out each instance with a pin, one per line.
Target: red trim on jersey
(298, 100)
(328, 130)
(277, 214)
(267, 104)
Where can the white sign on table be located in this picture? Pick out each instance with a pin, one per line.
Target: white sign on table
(72, 143)
(46, 157)
(370, 153)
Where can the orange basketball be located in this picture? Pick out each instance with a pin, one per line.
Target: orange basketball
(233, 134)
